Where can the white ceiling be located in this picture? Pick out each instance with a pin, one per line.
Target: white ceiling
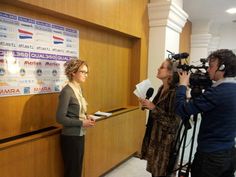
(212, 10)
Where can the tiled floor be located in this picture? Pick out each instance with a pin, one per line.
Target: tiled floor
(134, 167)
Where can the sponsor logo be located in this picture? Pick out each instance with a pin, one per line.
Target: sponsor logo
(10, 91)
(2, 71)
(2, 35)
(26, 46)
(57, 88)
(33, 63)
(43, 48)
(27, 25)
(52, 64)
(7, 44)
(39, 72)
(42, 89)
(26, 90)
(58, 40)
(22, 71)
(23, 34)
(54, 72)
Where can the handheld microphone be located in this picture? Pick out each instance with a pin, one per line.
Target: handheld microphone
(149, 94)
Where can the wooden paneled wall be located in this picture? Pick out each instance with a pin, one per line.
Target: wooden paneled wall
(128, 17)
(185, 38)
(113, 140)
(113, 54)
(37, 157)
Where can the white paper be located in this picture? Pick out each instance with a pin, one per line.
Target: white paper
(100, 113)
(136, 92)
(142, 87)
(95, 117)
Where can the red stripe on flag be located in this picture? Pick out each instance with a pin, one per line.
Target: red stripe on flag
(55, 37)
(25, 32)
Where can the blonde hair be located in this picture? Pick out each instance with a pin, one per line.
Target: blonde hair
(72, 66)
(174, 79)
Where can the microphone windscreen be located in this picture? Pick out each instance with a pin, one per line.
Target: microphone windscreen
(149, 93)
(180, 55)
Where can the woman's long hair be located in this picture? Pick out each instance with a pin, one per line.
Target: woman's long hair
(174, 80)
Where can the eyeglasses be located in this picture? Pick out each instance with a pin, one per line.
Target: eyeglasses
(84, 72)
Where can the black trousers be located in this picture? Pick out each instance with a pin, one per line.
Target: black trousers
(72, 148)
(216, 164)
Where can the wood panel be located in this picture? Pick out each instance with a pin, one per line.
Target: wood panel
(112, 141)
(109, 59)
(120, 15)
(22, 114)
(35, 158)
(114, 62)
(185, 38)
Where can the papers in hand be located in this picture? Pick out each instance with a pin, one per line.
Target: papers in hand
(141, 88)
(100, 113)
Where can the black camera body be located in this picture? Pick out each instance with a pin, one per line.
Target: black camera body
(199, 78)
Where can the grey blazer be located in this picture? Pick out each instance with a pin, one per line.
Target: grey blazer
(68, 112)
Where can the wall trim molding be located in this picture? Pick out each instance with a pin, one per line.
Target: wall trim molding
(166, 13)
(200, 40)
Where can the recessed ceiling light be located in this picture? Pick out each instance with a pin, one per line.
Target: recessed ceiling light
(231, 10)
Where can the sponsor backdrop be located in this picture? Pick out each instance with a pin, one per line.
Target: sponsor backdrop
(32, 55)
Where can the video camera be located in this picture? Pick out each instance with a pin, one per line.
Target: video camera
(199, 78)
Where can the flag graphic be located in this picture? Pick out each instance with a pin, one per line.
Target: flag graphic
(23, 34)
(58, 40)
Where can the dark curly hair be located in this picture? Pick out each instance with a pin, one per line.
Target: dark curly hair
(227, 58)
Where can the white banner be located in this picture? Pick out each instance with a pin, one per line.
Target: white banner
(32, 55)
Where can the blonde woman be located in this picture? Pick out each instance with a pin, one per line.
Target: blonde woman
(71, 113)
(163, 123)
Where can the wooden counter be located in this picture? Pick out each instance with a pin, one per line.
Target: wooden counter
(111, 141)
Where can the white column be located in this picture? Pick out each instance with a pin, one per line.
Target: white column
(166, 20)
(199, 47)
(200, 40)
(216, 39)
(214, 44)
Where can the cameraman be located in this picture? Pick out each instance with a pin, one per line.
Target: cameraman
(216, 153)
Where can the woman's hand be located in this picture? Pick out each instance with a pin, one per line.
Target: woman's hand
(88, 122)
(90, 117)
(146, 104)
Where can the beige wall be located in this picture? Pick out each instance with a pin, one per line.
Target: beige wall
(113, 40)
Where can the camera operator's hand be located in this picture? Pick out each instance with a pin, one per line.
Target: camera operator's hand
(184, 78)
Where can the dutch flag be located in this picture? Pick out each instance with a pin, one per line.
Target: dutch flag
(25, 34)
(58, 40)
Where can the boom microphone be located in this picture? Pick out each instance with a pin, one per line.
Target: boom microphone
(180, 55)
(149, 94)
